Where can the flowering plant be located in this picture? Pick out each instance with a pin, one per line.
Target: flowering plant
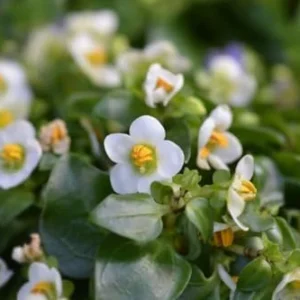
(130, 169)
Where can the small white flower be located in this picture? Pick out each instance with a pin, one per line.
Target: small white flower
(103, 22)
(20, 153)
(227, 81)
(29, 252)
(54, 137)
(131, 61)
(93, 59)
(166, 53)
(289, 286)
(5, 273)
(15, 94)
(241, 189)
(227, 279)
(142, 157)
(216, 146)
(161, 85)
(44, 283)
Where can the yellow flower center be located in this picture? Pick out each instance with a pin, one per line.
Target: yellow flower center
(97, 57)
(58, 133)
(223, 238)
(45, 288)
(295, 284)
(217, 139)
(12, 156)
(247, 190)
(162, 83)
(143, 158)
(2, 84)
(6, 117)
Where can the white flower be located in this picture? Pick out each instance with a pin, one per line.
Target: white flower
(44, 283)
(227, 279)
(131, 61)
(5, 273)
(216, 146)
(142, 157)
(20, 153)
(15, 94)
(166, 53)
(29, 252)
(103, 22)
(92, 58)
(54, 137)
(241, 189)
(161, 85)
(289, 286)
(227, 81)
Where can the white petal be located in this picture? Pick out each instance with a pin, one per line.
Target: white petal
(123, 179)
(222, 116)
(56, 278)
(230, 153)
(5, 273)
(216, 162)
(38, 272)
(24, 292)
(147, 129)
(205, 132)
(19, 131)
(226, 278)
(202, 163)
(170, 158)
(220, 226)
(145, 182)
(235, 207)
(245, 167)
(290, 277)
(118, 146)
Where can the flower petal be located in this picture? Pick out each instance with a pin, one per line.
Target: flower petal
(123, 179)
(226, 278)
(145, 182)
(233, 150)
(205, 132)
(245, 167)
(118, 146)
(220, 226)
(235, 207)
(170, 158)
(202, 163)
(24, 291)
(222, 116)
(147, 129)
(216, 162)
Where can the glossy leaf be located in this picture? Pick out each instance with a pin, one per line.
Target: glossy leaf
(135, 216)
(128, 271)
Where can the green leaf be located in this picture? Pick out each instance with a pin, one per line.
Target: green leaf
(120, 106)
(200, 287)
(72, 192)
(48, 161)
(289, 242)
(288, 163)
(161, 193)
(135, 216)
(125, 270)
(178, 132)
(68, 288)
(188, 180)
(221, 176)
(199, 213)
(255, 275)
(12, 204)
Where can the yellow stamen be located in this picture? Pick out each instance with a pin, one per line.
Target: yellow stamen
(43, 287)
(204, 152)
(58, 133)
(6, 117)
(12, 154)
(295, 284)
(97, 57)
(161, 83)
(247, 190)
(2, 83)
(223, 238)
(141, 154)
(217, 139)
